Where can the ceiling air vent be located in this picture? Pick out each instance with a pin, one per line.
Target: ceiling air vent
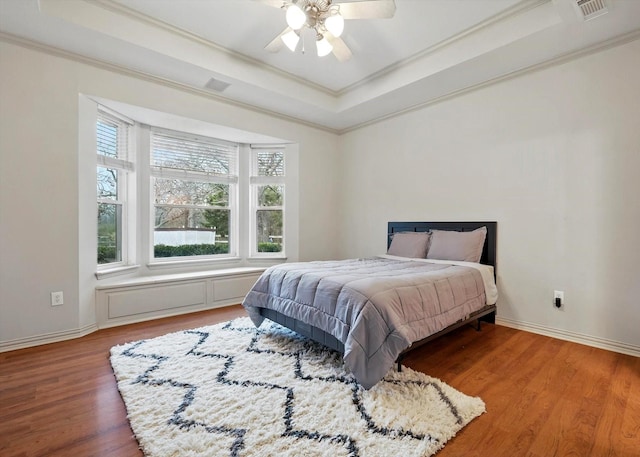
(590, 9)
(217, 85)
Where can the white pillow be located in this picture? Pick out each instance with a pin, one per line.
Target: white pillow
(409, 244)
(452, 245)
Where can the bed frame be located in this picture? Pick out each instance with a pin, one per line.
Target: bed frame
(486, 314)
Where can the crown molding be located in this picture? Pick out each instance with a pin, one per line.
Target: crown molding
(559, 60)
(515, 10)
(611, 43)
(57, 52)
(118, 8)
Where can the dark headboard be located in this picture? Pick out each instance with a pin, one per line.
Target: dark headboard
(488, 252)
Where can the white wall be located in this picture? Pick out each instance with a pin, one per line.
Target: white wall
(553, 156)
(42, 238)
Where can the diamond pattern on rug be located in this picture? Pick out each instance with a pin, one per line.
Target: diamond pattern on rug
(235, 390)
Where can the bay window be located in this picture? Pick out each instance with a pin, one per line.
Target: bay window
(169, 199)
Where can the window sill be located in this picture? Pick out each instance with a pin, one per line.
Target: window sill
(192, 263)
(118, 271)
(177, 277)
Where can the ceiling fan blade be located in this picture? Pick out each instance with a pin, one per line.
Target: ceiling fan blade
(276, 44)
(370, 9)
(340, 48)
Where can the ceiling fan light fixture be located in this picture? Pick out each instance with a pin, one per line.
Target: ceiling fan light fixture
(296, 18)
(326, 19)
(323, 46)
(291, 39)
(335, 24)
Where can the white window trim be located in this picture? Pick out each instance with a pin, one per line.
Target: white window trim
(127, 191)
(113, 272)
(140, 209)
(254, 182)
(234, 256)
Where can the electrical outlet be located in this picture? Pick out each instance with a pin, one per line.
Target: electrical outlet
(57, 298)
(558, 299)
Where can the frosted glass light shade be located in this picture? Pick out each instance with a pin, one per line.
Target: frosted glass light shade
(291, 39)
(323, 47)
(295, 17)
(335, 24)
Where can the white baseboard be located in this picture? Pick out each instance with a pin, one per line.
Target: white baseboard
(154, 297)
(55, 337)
(46, 338)
(575, 337)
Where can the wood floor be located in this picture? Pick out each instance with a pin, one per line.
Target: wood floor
(544, 397)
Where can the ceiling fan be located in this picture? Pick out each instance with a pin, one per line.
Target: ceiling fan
(326, 19)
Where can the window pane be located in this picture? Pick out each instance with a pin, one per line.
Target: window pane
(180, 192)
(109, 232)
(269, 230)
(183, 231)
(270, 195)
(107, 183)
(191, 154)
(270, 163)
(107, 138)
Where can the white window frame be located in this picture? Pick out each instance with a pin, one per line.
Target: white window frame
(124, 163)
(138, 219)
(233, 207)
(256, 181)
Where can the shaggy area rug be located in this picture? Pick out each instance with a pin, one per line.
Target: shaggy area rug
(235, 390)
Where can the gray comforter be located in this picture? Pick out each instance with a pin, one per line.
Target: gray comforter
(376, 307)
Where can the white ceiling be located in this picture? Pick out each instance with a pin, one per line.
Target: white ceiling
(429, 50)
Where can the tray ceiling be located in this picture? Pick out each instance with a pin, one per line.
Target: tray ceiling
(429, 50)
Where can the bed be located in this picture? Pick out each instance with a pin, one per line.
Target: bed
(375, 310)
